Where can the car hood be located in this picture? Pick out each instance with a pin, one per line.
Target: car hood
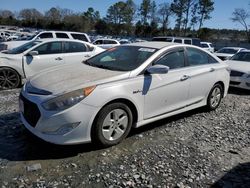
(241, 66)
(8, 56)
(223, 54)
(14, 44)
(62, 79)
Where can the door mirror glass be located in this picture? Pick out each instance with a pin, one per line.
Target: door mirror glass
(158, 69)
(33, 53)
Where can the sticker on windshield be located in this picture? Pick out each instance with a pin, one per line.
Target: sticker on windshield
(146, 50)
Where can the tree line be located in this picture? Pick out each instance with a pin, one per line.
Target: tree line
(126, 18)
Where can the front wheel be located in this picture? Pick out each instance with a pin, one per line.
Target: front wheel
(214, 97)
(112, 124)
(9, 78)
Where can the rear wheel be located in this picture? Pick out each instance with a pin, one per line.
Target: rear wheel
(112, 124)
(214, 97)
(9, 78)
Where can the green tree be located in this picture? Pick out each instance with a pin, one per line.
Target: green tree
(164, 13)
(178, 8)
(205, 7)
(144, 11)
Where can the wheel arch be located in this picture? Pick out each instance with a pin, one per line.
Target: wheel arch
(129, 103)
(18, 73)
(222, 86)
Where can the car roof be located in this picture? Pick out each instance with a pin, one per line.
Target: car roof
(60, 39)
(245, 50)
(152, 44)
(206, 43)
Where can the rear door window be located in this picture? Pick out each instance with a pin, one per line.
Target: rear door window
(72, 47)
(173, 60)
(79, 37)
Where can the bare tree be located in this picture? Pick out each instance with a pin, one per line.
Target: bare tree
(6, 14)
(240, 15)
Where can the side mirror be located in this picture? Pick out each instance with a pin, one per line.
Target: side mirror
(33, 53)
(158, 69)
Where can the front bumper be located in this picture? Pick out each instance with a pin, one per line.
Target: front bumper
(240, 82)
(50, 124)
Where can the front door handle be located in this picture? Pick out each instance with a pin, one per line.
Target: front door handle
(87, 56)
(58, 59)
(212, 70)
(185, 77)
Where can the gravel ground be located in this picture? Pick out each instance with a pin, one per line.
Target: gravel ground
(194, 149)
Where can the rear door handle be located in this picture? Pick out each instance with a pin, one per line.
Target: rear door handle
(212, 70)
(185, 77)
(87, 56)
(58, 59)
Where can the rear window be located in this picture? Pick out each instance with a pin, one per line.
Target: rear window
(228, 51)
(62, 35)
(110, 42)
(45, 35)
(186, 41)
(204, 45)
(178, 40)
(79, 37)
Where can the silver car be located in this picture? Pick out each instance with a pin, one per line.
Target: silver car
(127, 86)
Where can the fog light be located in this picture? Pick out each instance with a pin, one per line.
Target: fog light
(64, 129)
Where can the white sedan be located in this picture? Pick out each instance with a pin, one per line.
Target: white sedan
(227, 52)
(30, 58)
(127, 86)
(240, 70)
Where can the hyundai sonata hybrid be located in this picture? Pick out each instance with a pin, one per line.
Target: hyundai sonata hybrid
(102, 98)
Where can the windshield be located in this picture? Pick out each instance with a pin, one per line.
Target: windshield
(227, 51)
(241, 56)
(23, 47)
(122, 58)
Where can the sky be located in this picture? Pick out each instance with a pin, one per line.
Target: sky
(220, 16)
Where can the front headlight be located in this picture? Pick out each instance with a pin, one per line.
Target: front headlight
(67, 100)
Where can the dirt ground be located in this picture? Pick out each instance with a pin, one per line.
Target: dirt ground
(193, 149)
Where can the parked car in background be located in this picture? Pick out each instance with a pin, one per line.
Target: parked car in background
(129, 86)
(227, 52)
(106, 43)
(208, 46)
(181, 40)
(124, 41)
(32, 57)
(45, 35)
(240, 69)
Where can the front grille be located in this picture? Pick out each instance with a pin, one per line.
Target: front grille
(31, 112)
(234, 83)
(236, 73)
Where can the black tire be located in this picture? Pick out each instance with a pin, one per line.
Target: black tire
(9, 78)
(214, 97)
(108, 134)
